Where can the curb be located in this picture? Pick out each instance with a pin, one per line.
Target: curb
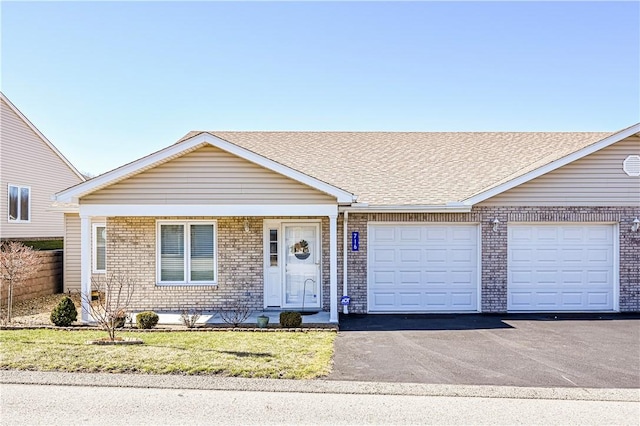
(312, 386)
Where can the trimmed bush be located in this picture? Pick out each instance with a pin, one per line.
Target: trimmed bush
(147, 319)
(290, 319)
(65, 313)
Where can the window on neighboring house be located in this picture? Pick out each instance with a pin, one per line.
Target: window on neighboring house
(19, 203)
(186, 252)
(99, 247)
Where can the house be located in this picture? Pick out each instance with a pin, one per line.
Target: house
(32, 170)
(424, 222)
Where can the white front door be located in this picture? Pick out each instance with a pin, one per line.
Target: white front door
(301, 254)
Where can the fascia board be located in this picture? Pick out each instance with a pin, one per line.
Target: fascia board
(457, 208)
(610, 140)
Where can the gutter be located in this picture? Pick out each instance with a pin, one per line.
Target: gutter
(452, 207)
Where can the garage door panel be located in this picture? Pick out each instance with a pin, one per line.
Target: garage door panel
(599, 299)
(384, 300)
(435, 234)
(384, 278)
(432, 268)
(463, 255)
(410, 255)
(410, 300)
(382, 255)
(435, 255)
(410, 278)
(409, 234)
(383, 235)
(462, 278)
(436, 301)
(435, 278)
(560, 267)
(462, 300)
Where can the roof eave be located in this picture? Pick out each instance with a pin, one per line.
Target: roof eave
(610, 140)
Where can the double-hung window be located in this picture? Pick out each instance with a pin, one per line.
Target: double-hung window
(186, 252)
(99, 248)
(19, 203)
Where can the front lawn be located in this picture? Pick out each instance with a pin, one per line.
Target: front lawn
(227, 353)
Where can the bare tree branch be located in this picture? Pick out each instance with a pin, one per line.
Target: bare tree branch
(111, 308)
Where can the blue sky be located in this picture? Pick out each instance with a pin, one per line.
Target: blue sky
(110, 82)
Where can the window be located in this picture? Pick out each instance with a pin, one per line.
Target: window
(19, 203)
(99, 247)
(186, 252)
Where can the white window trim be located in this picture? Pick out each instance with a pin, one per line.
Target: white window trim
(17, 220)
(94, 248)
(187, 253)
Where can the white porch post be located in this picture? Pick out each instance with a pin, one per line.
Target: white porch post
(333, 268)
(85, 265)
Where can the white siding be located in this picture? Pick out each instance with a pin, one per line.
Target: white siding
(595, 180)
(208, 175)
(26, 160)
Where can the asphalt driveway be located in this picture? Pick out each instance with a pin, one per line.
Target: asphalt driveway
(513, 350)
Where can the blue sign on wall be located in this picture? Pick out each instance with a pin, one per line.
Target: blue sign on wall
(355, 241)
(345, 300)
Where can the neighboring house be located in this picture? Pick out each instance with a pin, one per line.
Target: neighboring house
(32, 170)
(425, 222)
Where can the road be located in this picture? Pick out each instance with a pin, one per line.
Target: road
(31, 404)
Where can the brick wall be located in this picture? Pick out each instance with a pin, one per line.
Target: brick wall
(48, 279)
(131, 250)
(494, 247)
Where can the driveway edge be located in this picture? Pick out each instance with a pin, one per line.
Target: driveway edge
(312, 386)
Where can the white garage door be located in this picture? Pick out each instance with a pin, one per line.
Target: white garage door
(560, 268)
(422, 268)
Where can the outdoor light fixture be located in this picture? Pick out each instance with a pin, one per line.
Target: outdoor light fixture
(636, 225)
(495, 222)
(246, 226)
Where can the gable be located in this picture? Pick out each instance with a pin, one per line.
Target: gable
(594, 180)
(208, 175)
(28, 159)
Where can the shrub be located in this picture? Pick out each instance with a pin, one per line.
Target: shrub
(147, 319)
(290, 319)
(65, 313)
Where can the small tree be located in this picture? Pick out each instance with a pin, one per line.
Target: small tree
(236, 313)
(18, 263)
(111, 307)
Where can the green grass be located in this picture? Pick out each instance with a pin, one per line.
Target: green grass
(44, 244)
(227, 353)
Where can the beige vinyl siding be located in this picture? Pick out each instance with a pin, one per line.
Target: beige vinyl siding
(27, 160)
(595, 180)
(71, 263)
(208, 175)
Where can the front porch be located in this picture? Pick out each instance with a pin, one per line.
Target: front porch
(244, 268)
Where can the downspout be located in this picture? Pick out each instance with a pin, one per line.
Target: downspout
(345, 251)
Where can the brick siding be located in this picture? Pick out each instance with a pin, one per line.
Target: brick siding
(494, 247)
(131, 249)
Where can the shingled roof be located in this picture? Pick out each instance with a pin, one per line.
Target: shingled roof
(411, 168)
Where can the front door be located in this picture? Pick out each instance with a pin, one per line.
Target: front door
(301, 256)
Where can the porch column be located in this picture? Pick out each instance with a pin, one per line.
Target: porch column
(85, 266)
(333, 268)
